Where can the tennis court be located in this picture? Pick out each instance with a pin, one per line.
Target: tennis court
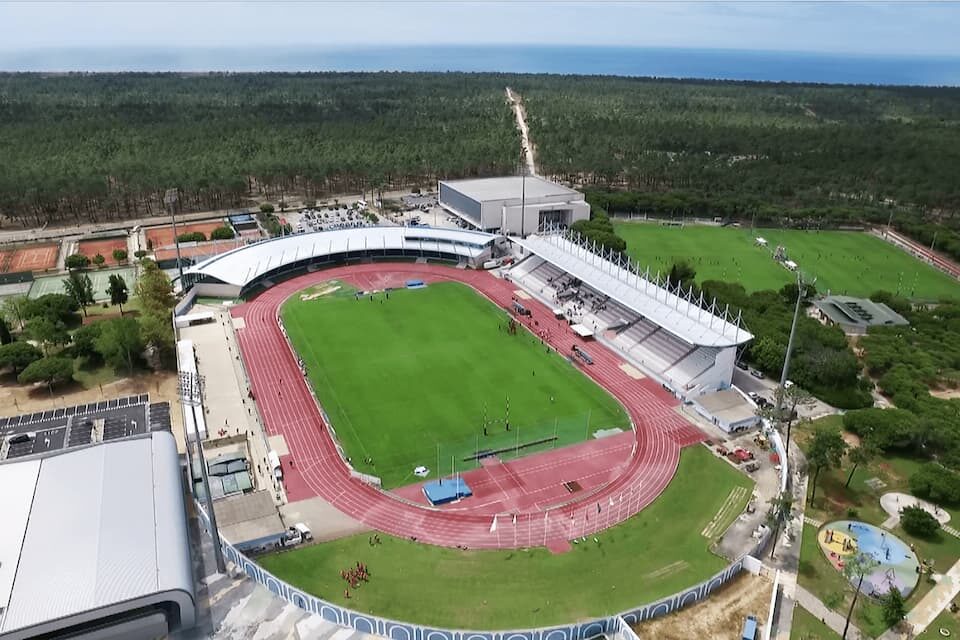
(100, 280)
(38, 257)
(158, 237)
(104, 247)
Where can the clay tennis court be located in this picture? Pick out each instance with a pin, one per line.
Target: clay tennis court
(158, 237)
(200, 250)
(104, 247)
(38, 257)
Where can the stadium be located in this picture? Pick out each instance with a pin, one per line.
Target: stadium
(470, 391)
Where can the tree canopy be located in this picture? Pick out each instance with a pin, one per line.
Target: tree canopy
(51, 371)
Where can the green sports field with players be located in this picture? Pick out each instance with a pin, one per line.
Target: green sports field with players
(415, 378)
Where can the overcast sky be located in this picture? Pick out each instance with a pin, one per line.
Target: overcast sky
(826, 26)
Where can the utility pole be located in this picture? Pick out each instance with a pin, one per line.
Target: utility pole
(191, 394)
(523, 190)
(170, 199)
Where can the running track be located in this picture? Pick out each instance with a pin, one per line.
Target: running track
(660, 431)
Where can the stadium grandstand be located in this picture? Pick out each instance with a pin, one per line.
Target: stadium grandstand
(681, 340)
(671, 334)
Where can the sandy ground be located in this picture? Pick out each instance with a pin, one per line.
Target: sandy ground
(719, 617)
(15, 399)
(946, 394)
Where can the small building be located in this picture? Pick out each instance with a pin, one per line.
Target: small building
(249, 521)
(727, 409)
(513, 205)
(856, 315)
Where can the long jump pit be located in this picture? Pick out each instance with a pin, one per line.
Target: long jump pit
(32, 257)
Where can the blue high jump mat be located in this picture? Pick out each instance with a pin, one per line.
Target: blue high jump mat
(443, 491)
(416, 284)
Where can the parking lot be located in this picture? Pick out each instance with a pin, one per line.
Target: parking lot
(326, 219)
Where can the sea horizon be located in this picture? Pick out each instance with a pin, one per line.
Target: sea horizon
(621, 61)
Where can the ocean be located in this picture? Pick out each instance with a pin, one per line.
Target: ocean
(770, 66)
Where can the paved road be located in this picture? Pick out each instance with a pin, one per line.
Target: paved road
(766, 386)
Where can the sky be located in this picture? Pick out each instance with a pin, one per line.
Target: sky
(833, 26)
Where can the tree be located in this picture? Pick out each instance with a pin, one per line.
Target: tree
(51, 371)
(856, 567)
(682, 273)
(15, 310)
(79, 287)
(154, 289)
(139, 254)
(85, 341)
(120, 342)
(918, 522)
(266, 208)
(789, 399)
(53, 306)
(47, 332)
(863, 454)
(222, 233)
(5, 337)
(936, 483)
(99, 260)
(77, 261)
(894, 609)
(157, 332)
(825, 452)
(120, 255)
(18, 355)
(117, 290)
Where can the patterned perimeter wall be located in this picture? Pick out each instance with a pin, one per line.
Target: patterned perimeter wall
(409, 631)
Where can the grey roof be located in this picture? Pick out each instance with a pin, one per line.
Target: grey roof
(727, 405)
(90, 528)
(508, 187)
(245, 264)
(247, 517)
(859, 312)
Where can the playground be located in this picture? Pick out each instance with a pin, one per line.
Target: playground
(104, 246)
(38, 257)
(158, 237)
(99, 278)
(897, 564)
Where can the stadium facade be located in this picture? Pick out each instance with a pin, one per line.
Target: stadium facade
(512, 205)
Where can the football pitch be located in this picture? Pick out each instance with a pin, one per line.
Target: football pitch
(414, 379)
(656, 553)
(844, 262)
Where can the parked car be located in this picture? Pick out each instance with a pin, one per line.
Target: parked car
(756, 374)
(742, 365)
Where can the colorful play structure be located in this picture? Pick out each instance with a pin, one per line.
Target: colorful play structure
(897, 566)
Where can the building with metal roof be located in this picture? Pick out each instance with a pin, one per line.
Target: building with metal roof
(95, 542)
(233, 272)
(856, 315)
(513, 205)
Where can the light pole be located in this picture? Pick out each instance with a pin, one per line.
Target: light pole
(170, 199)
(786, 358)
(190, 386)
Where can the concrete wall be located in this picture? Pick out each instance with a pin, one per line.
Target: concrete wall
(456, 200)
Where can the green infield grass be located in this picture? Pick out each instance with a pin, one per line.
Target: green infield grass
(414, 379)
(656, 553)
(847, 262)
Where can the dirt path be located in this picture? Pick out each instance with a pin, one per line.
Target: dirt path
(516, 101)
(719, 617)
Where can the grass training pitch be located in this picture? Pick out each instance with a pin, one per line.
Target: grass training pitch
(411, 378)
(847, 262)
(656, 553)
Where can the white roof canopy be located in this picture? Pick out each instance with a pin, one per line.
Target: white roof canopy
(245, 264)
(676, 311)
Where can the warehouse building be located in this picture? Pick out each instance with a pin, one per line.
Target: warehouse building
(512, 205)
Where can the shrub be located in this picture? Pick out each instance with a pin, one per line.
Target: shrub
(937, 484)
(917, 522)
(266, 208)
(193, 236)
(77, 261)
(139, 253)
(120, 255)
(222, 233)
(99, 260)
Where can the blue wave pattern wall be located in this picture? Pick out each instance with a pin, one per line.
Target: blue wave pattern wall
(408, 631)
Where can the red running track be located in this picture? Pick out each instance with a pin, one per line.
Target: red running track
(289, 409)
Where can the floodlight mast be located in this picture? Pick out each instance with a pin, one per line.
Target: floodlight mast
(170, 199)
(801, 286)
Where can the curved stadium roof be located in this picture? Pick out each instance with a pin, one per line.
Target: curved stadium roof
(242, 266)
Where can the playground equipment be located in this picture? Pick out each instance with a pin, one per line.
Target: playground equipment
(897, 564)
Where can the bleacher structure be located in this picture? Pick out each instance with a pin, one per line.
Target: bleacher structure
(671, 334)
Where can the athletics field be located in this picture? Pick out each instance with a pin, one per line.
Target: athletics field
(844, 262)
(414, 379)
